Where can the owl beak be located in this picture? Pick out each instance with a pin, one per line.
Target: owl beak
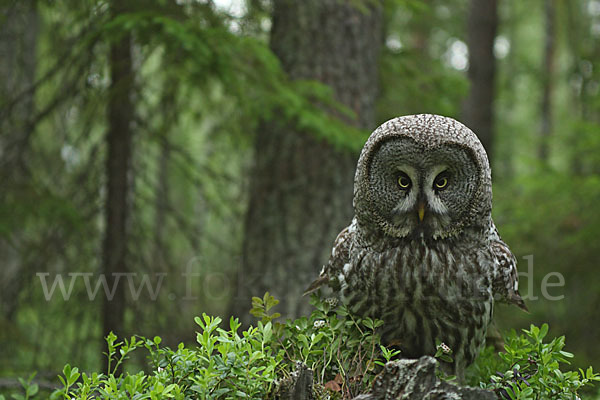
(421, 211)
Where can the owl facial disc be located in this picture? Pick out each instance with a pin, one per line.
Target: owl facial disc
(422, 175)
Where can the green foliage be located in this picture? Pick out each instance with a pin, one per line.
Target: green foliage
(555, 222)
(343, 351)
(243, 67)
(530, 368)
(415, 72)
(443, 352)
(226, 364)
(260, 308)
(30, 389)
(230, 365)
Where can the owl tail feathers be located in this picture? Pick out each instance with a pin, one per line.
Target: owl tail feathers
(517, 300)
(316, 284)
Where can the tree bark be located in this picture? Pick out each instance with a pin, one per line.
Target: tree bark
(118, 167)
(162, 204)
(416, 380)
(547, 79)
(504, 168)
(413, 379)
(18, 42)
(301, 187)
(478, 108)
(18, 61)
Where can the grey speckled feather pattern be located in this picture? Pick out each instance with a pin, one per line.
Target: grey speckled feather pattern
(434, 277)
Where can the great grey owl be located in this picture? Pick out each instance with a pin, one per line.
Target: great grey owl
(422, 252)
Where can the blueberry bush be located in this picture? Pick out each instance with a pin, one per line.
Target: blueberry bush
(343, 351)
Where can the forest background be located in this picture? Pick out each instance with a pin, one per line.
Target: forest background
(160, 159)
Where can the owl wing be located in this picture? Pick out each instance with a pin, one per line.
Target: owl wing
(506, 281)
(340, 256)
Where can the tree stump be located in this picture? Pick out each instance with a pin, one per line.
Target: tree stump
(409, 379)
(416, 380)
(299, 386)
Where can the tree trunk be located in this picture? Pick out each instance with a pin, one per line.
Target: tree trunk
(118, 166)
(301, 187)
(478, 107)
(547, 75)
(505, 165)
(162, 204)
(18, 42)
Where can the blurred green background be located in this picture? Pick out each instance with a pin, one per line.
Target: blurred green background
(176, 144)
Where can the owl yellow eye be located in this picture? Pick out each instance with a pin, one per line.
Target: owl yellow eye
(441, 182)
(404, 182)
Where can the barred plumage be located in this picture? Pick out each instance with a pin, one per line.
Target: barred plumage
(422, 252)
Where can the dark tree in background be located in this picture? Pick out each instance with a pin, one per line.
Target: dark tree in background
(18, 43)
(478, 107)
(547, 80)
(118, 167)
(301, 186)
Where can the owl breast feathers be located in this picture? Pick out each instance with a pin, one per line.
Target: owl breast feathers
(422, 252)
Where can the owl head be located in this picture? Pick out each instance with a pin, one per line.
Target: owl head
(424, 176)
